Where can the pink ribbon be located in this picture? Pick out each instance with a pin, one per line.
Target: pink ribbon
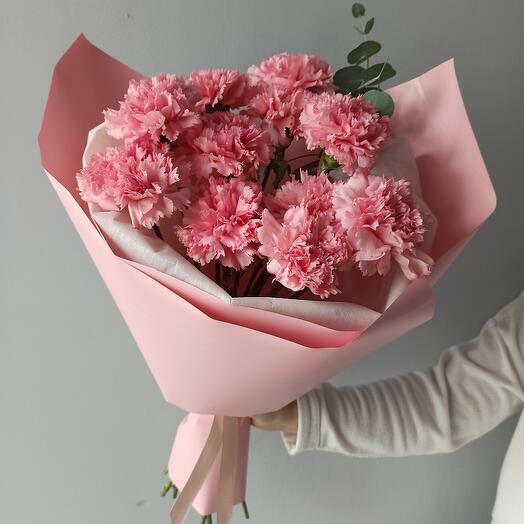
(222, 436)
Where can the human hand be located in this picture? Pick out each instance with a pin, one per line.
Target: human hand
(284, 419)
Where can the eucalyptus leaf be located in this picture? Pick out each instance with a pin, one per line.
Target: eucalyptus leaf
(378, 73)
(348, 79)
(352, 88)
(363, 52)
(347, 74)
(360, 90)
(382, 101)
(369, 26)
(358, 10)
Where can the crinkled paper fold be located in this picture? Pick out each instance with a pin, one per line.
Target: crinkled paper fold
(211, 354)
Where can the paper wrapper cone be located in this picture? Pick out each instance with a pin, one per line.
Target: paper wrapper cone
(210, 356)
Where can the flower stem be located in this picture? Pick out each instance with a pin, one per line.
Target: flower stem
(256, 271)
(156, 229)
(307, 168)
(166, 488)
(259, 283)
(246, 511)
(304, 156)
(267, 172)
(276, 288)
(218, 276)
(231, 279)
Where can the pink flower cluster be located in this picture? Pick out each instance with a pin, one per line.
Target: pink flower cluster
(162, 105)
(222, 223)
(229, 144)
(204, 146)
(219, 86)
(383, 224)
(316, 228)
(302, 238)
(131, 178)
(347, 128)
(281, 85)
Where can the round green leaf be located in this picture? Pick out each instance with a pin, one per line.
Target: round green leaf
(358, 10)
(363, 52)
(369, 26)
(348, 79)
(382, 101)
(348, 74)
(378, 73)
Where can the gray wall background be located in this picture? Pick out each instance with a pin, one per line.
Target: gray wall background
(84, 432)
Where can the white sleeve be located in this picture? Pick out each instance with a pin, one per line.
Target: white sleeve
(474, 387)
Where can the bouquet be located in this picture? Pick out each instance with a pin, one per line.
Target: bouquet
(260, 231)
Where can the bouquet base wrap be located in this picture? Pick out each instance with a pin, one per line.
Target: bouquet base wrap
(223, 358)
(208, 465)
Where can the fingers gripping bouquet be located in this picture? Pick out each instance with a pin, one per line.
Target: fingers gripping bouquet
(260, 231)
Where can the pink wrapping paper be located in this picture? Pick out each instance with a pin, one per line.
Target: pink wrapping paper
(212, 357)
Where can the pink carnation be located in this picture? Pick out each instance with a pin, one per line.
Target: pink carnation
(289, 73)
(129, 177)
(303, 239)
(161, 105)
(303, 251)
(313, 192)
(382, 224)
(220, 86)
(349, 128)
(221, 224)
(230, 144)
(280, 110)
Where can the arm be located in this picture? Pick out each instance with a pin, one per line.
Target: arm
(472, 389)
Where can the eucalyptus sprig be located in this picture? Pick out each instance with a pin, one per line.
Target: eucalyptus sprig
(361, 78)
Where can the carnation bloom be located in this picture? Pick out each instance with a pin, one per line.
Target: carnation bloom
(289, 73)
(280, 110)
(219, 86)
(230, 144)
(161, 105)
(130, 177)
(221, 224)
(304, 251)
(314, 192)
(348, 128)
(382, 223)
(303, 238)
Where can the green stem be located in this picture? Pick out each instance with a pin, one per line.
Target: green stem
(166, 488)
(267, 172)
(246, 511)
